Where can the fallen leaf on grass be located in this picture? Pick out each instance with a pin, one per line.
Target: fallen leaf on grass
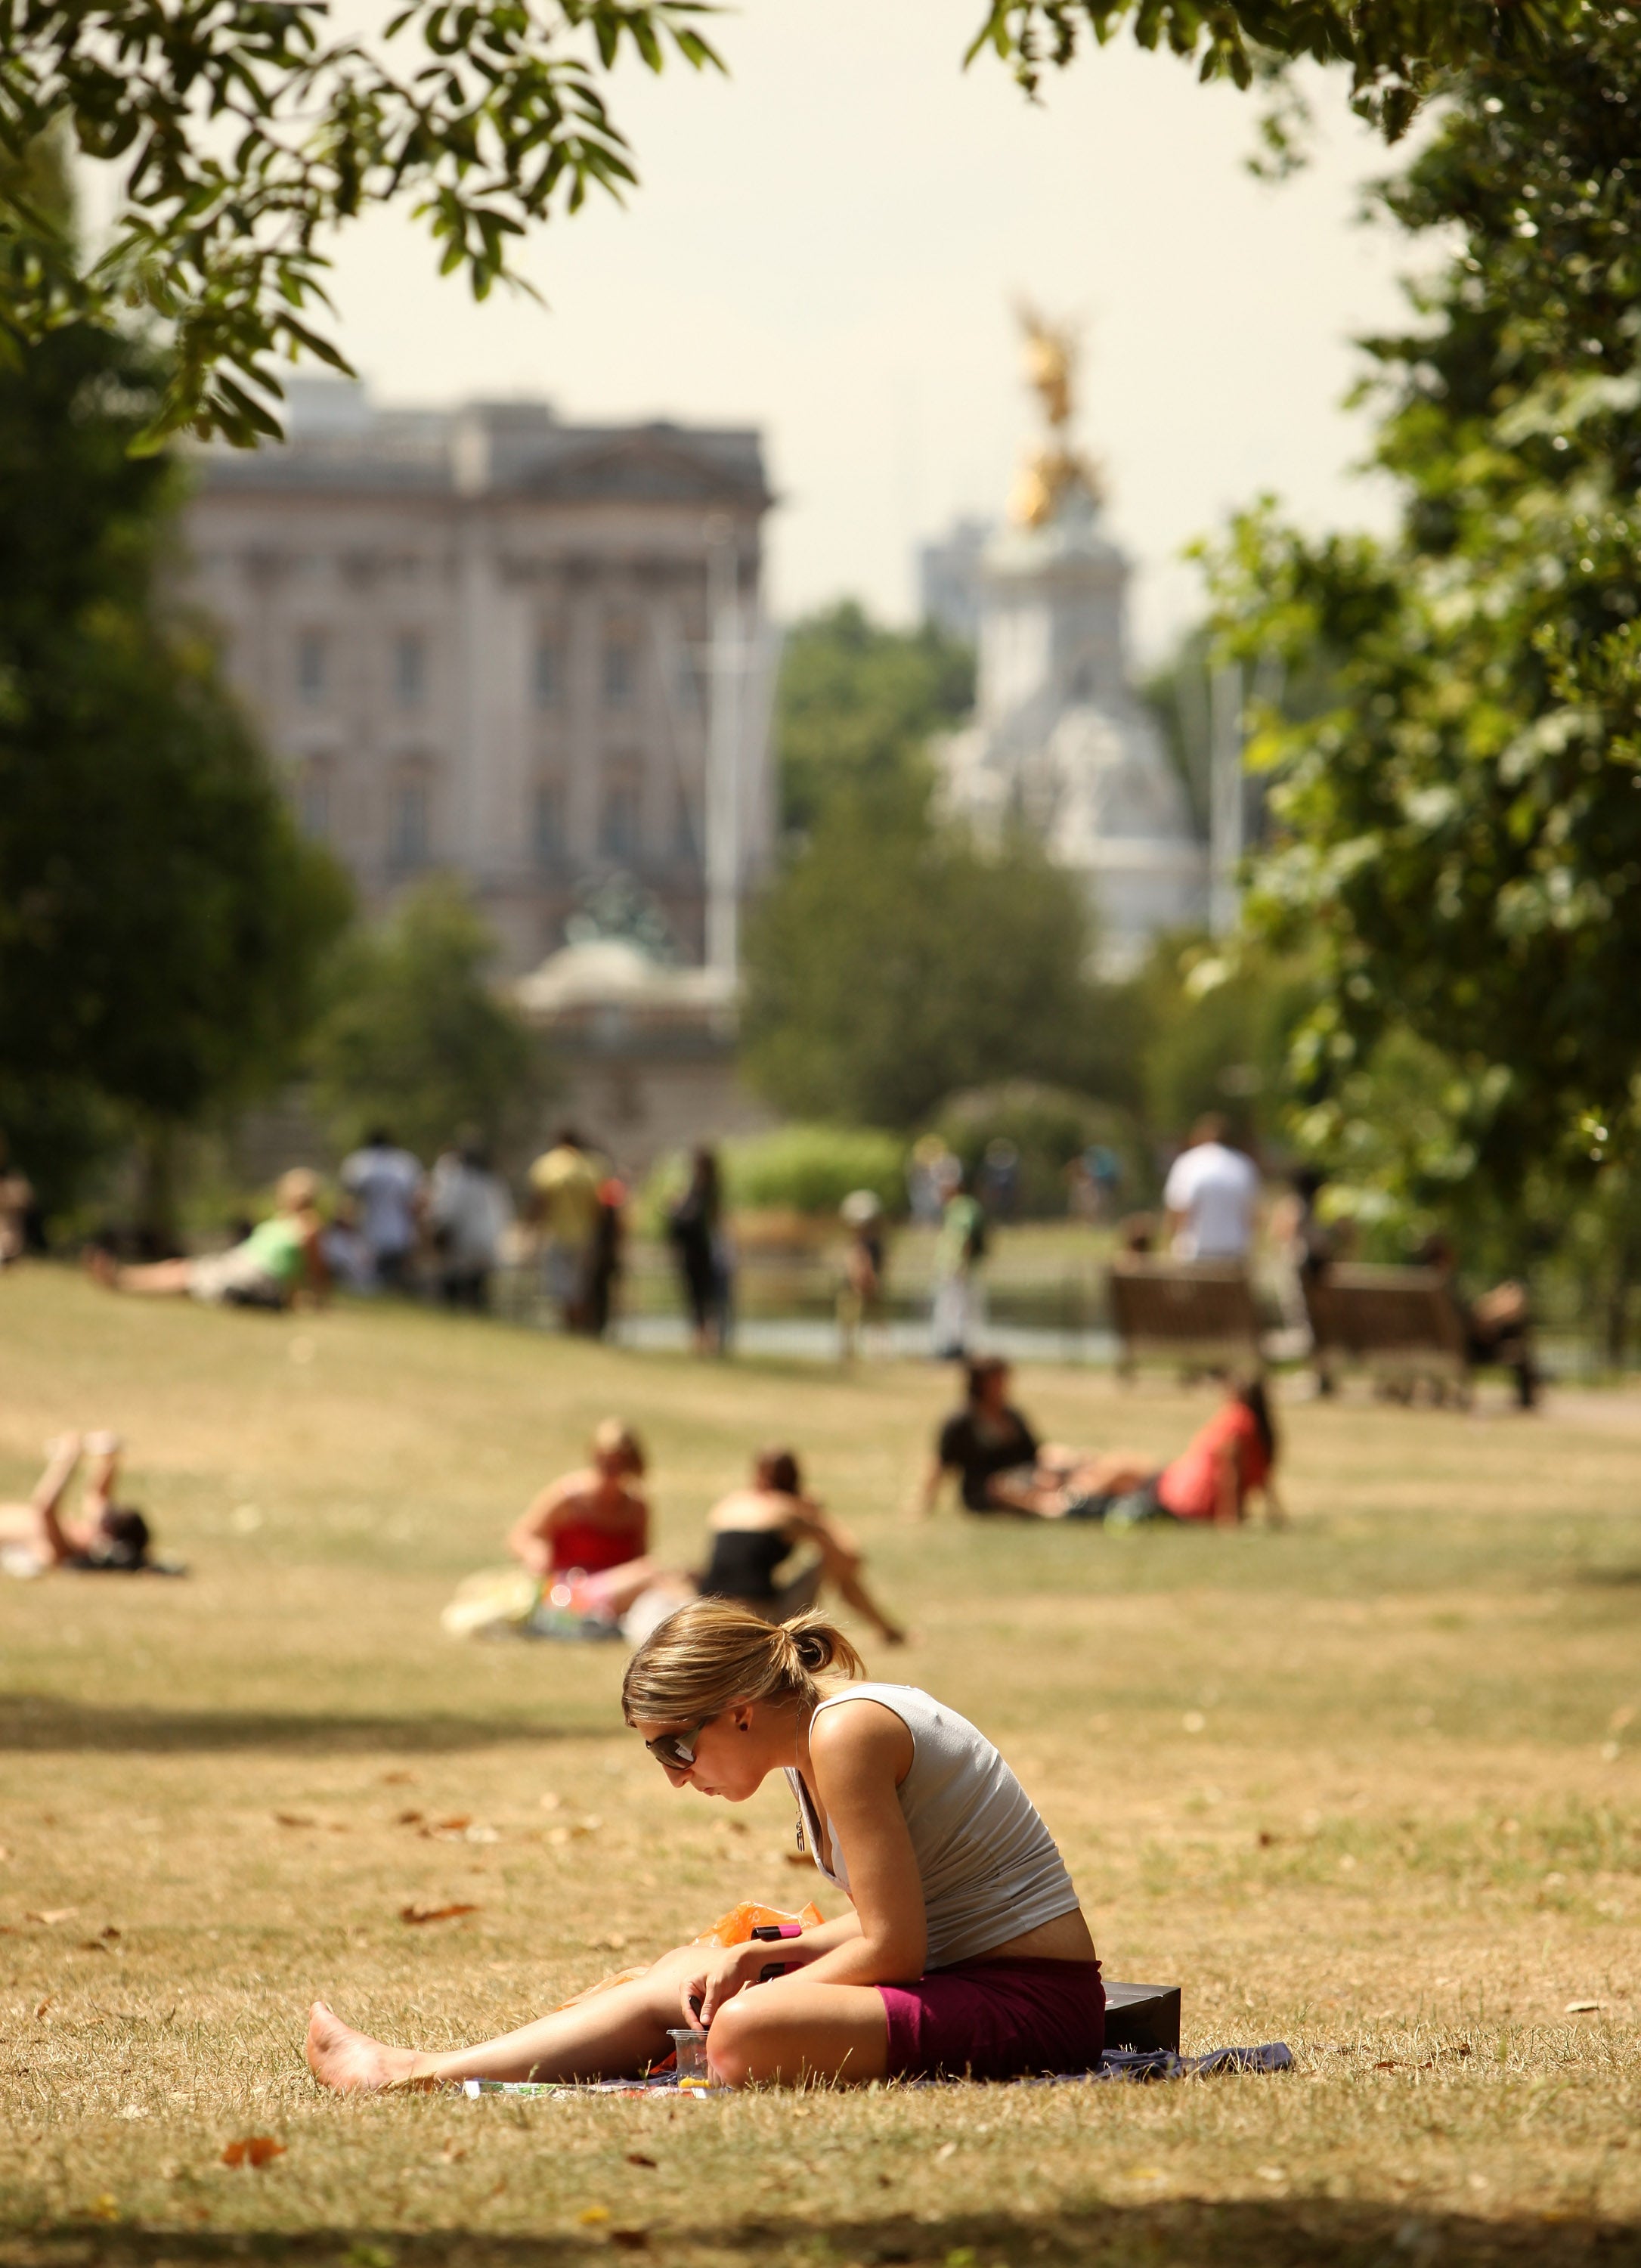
(104, 2208)
(1389, 2064)
(638, 2158)
(109, 1933)
(254, 2150)
(631, 2240)
(1582, 2007)
(410, 1819)
(399, 1779)
(93, 1944)
(39, 2012)
(295, 1819)
(52, 1915)
(416, 1914)
(590, 2215)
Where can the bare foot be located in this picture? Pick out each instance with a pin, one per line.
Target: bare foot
(341, 2057)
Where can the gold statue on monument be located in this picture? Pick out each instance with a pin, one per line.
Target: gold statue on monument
(1052, 470)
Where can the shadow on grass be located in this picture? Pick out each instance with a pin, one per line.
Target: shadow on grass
(1610, 1578)
(1273, 2234)
(45, 1724)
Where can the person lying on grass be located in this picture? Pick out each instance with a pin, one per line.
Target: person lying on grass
(1228, 1460)
(965, 1949)
(1001, 1465)
(279, 1261)
(108, 1537)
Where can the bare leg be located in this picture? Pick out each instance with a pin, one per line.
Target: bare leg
(615, 2034)
(794, 2029)
(859, 1597)
(104, 1479)
(798, 2031)
(158, 1279)
(615, 1589)
(38, 1524)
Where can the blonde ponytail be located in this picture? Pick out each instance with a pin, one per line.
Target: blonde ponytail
(712, 1653)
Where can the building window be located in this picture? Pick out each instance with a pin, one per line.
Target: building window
(407, 848)
(410, 669)
(618, 835)
(547, 828)
(314, 801)
(546, 674)
(313, 661)
(620, 672)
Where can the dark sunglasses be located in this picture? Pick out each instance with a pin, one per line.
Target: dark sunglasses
(676, 1751)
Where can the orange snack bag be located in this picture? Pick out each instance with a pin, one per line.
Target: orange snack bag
(734, 1927)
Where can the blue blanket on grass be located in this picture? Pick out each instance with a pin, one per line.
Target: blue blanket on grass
(1141, 2064)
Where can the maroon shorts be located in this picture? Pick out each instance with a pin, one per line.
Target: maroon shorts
(997, 2019)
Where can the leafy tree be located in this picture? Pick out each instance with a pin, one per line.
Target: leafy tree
(894, 961)
(1397, 51)
(250, 130)
(416, 1038)
(161, 921)
(1461, 814)
(857, 705)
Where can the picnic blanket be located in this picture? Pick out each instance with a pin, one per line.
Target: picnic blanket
(1141, 2065)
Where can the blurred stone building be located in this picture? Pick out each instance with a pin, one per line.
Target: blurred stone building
(526, 653)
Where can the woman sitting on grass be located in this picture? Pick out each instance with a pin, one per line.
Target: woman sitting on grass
(594, 1524)
(755, 1530)
(966, 1949)
(1001, 1465)
(279, 1260)
(1230, 1459)
(108, 1538)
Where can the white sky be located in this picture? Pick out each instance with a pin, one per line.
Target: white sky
(826, 245)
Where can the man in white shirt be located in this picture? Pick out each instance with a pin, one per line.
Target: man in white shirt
(1212, 1195)
(386, 1182)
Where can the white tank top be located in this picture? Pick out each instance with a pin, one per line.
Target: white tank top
(989, 1868)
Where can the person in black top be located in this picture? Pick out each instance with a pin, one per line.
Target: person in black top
(755, 1530)
(1001, 1465)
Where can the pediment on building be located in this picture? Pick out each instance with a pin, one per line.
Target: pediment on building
(652, 467)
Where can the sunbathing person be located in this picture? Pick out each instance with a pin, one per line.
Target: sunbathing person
(279, 1261)
(1002, 1466)
(965, 1951)
(755, 1530)
(594, 1525)
(1230, 1459)
(108, 1537)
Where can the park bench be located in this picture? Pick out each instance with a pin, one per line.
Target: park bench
(1399, 1324)
(1199, 1313)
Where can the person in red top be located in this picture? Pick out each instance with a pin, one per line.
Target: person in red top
(1229, 1459)
(594, 1523)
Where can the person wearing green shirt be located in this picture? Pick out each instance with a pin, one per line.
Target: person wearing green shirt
(277, 1263)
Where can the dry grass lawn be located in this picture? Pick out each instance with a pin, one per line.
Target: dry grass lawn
(1368, 1787)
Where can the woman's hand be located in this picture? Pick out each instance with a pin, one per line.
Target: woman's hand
(723, 1972)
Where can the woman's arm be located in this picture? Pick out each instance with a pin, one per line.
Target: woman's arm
(860, 1754)
(929, 1494)
(530, 1537)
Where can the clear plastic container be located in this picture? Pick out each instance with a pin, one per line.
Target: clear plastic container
(691, 2049)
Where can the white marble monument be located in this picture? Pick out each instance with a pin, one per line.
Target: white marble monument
(1059, 743)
